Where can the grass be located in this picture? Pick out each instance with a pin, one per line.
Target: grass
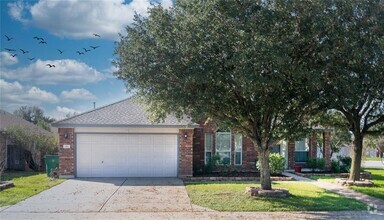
(377, 190)
(372, 159)
(305, 197)
(27, 184)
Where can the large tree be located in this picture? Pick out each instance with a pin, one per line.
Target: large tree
(243, 64)
(353, 60)
(35, 115)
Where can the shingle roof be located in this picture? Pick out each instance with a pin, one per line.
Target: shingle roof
(7, 119)
(127, 112)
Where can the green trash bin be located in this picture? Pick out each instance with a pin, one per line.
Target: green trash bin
(51, 163)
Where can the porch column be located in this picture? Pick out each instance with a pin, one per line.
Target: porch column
(291, 154)
(312, 145)
(66, 153)
(327, 149)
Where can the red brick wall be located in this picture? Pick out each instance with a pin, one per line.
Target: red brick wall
(327, 149)
(312, 145)
(186, 152)
(291, 154)
(66, 156)
(249, 152)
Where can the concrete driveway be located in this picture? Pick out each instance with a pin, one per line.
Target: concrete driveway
(109, 195)
(373, 164)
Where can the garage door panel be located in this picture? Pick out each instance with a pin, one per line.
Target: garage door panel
(126, 155)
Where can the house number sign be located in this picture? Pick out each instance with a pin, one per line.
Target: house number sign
(66, 146)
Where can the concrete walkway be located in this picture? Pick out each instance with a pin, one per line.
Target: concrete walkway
(350, 215)
(376, 204)
(373, 164)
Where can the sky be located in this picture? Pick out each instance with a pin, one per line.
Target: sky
(33, 32)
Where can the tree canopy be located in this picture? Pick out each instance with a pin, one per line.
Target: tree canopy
(243, 64)
(34, 115)
(352, 59)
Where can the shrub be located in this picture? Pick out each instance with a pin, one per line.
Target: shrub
(345, 163)
(335, 166)
(276, 163)
(211, 164)
(316, 163)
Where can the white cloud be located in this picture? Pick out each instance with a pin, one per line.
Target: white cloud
(14, 95)
(105, 17)
(6, 59)
(17, 10)
(69, 72)
(66, 110)
(77, 94)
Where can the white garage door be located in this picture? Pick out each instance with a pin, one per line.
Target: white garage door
(126, 155)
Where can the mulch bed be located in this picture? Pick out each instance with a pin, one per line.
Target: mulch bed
(238, 176)
(363, 175)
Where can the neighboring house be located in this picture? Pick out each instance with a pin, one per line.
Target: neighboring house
(13, 154)
(118, 140)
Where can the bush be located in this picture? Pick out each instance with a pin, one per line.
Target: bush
(276, 163)
(316, 163)
(345, 163)
(335, 166)
(211, 165)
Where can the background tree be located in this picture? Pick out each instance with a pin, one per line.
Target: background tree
(33, 142)
(352, 54)
(243, 64)
(35, 115)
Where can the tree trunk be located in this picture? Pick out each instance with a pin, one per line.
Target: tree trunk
(265, 173)
(354, 173)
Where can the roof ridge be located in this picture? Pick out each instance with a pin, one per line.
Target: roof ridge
(104, 106)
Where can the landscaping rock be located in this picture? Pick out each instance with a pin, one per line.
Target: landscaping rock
(346, 182)
(6, 185)
(257, 191)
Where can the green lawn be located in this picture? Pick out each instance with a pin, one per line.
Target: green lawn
(378, 189)
(305, 197)
(27, 184)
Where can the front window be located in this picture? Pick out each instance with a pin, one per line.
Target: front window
(238, 149)
(208, 146)
(223, 145)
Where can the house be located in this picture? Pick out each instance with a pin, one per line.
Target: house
(13, 155)
(118, 140)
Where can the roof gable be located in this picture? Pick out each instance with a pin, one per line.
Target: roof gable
(7, 119)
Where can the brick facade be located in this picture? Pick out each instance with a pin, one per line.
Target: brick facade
(249, 154)
(66, 155)
(186, 137)
(313, 145)
(327, 149)
(291, 154)
(312, 149)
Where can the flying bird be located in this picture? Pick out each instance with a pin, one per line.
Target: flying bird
(10, 50)
(86, 50)
(31, 58)
(24, 51)
(38, 38)
(94, 47)
(96, 35)
(79, 52)
(50, 65)
(8, 38)
(42, 42)
(13, 55)
(60, 51)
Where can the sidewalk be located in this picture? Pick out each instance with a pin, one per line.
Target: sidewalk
(376, 204)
